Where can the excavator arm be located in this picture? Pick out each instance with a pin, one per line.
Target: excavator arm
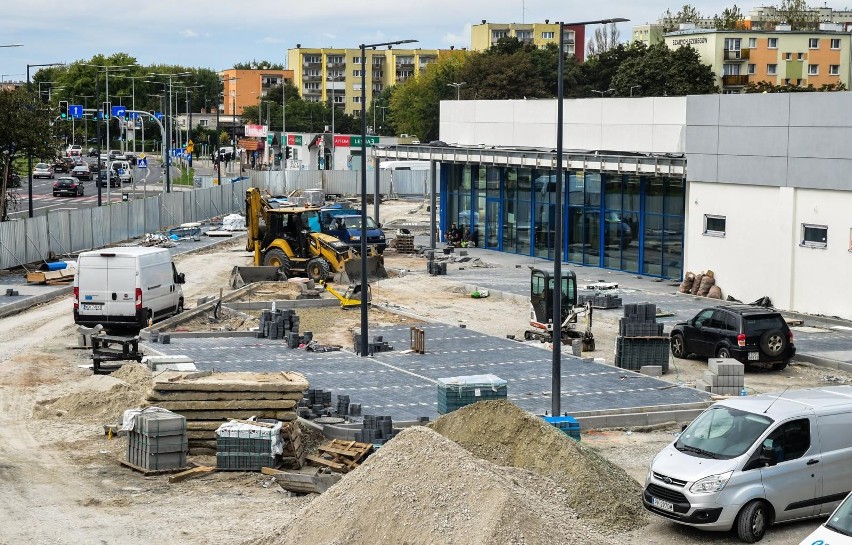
(256, 208)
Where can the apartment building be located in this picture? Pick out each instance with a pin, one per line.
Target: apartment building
(248, 87)
(766, 17)
(780, 56)
(324, 74)
(649, 34)
(485, 35)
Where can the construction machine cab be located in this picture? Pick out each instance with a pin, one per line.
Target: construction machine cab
(541, 294)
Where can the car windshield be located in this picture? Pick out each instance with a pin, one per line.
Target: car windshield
(354, 222)
(42, 166)
(722, 432)
(841, 520)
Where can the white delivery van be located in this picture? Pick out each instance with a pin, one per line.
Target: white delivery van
(748, 462)
(125, 287)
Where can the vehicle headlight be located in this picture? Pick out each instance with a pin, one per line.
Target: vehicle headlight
(713, 483)
(382, 238)
(355, 237)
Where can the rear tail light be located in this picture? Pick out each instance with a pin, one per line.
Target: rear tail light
(76, 297)
(55, 185)
(138, 298)
(790, 335)
(741, 338)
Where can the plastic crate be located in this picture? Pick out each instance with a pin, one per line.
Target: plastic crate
(566, 424)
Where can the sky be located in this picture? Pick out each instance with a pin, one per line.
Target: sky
(216, 34)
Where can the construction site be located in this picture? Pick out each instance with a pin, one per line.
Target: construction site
(253, 416)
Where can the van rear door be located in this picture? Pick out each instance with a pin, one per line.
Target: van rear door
(107, 286)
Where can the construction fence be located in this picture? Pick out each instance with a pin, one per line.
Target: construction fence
(64, 232)
(395, 183)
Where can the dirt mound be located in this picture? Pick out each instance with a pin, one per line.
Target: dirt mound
(502, 433)
(423, 488)
(100, 398)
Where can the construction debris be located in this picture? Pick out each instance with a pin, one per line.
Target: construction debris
(340, 456)
(303, 483)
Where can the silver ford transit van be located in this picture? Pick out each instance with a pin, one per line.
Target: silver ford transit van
(748, 462)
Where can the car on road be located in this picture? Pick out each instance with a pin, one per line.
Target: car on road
(117, 155)
(754, 336)
(837, 530)
(74, 150)
(59, 165)
(43, 170)
(110, 174)
(69, 186)
(81, 172)
(122, 168)
(93, 152)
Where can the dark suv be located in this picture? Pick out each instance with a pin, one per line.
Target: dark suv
(751, 335)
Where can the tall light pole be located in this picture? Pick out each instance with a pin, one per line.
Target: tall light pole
(602, 93)
(29, 153)
(133, 104)
(86, 119)
(556, 379)
(633, 87)
(364, 343)
(458, 87)
(169, 122)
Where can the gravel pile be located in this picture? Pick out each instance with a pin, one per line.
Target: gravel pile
(500, 432)
(421, 488)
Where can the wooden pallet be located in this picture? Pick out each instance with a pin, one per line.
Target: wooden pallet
(301, 482)
(340, 456)
(149, 472)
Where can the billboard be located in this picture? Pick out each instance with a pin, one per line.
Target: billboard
(257, 131)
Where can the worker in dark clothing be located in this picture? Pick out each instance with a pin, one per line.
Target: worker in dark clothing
(454, 235)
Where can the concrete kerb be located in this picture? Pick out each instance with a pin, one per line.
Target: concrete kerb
(28, 302)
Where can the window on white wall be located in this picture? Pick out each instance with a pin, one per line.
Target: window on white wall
(714, 226)
(814, 236)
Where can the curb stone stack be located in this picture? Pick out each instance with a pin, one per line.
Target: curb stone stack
(724, 376)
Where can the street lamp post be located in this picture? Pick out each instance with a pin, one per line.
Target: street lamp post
(556, 379)
(29, 153)
(633, 87)
(602, 93)
(458, 87)
(169, 120)
(364, 342)
(86, 119)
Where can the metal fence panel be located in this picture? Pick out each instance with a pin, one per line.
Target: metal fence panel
(137, 218)
(81, 229)
(100, 226)
(36, 239)
(118, 221)
(59, 232)
(12, 249)
(172, 209)
(409, 182)
(152, 213)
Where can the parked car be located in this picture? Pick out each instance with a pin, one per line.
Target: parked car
(837, 530)
(750, 334)
(74, 150)
(69, 186)
(43, 170)
(93, 152)
(110, 174)
(81, 172)
(116, 155)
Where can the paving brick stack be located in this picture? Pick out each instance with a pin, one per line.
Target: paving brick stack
(640, 339)
(724, 376)
(206, 399)
(600, 300)
(376, 430)
(250, 446)
(278, 324)
(157, 441)
(405, 243)
(457, 392)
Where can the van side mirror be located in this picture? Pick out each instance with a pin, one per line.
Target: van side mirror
(683, 428)
(181, 279)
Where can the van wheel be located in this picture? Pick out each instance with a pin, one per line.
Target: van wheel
(179, 306)
(723, 352)
(752, 521)
(678, 346)
(773, 342)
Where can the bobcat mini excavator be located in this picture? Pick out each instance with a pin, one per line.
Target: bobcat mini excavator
(541, 310)
(288, 242)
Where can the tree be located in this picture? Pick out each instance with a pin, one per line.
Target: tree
(598, 71)
(255, 65)
(798, 15)
(665, 72)
(687, 14)
(604, 39)
(729, 19)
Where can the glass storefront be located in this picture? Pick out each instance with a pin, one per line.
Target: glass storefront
(616, 221)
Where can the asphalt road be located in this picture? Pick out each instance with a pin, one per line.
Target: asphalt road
(147, 183)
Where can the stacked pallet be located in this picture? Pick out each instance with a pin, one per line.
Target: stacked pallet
(724, 376)
(206, 399)
(340, 456)
(600, 300)
(566, 424)
(457, 392)
(640, 341)
(405, 243)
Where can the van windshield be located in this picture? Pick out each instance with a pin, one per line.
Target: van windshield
(841, 520)
(722, 432)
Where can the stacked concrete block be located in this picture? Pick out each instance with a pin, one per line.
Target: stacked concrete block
(206, 399)
(157, 441)
(457, 392)
(376, 430)
(250, 446)
(600, 300)
(724, 376)
(278, 324)
(640, 341)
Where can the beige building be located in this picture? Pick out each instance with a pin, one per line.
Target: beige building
(323, 74)
(780, 56)
(248, 87)
(485, 35)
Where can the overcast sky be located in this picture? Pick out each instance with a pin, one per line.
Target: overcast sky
(216, 34)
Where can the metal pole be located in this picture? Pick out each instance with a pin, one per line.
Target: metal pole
(98, 132)
(556, 387)
(108, 116)
(376, 192)
(29, 158)
(364, 332)
(433, 171)
(167, 160)
(332, 127)
(216, 150)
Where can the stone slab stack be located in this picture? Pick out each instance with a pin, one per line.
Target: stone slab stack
(157, 441)
(207, 399)
(457, 392)
(640, 341)
(600, 300)
(278, 324)
(724, 376)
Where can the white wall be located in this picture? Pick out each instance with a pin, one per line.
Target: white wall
(651, 125)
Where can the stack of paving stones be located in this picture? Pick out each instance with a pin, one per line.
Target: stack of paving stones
(599, 300)
(376, 430)
(379, 344)
(278, 324)
(206, 399)
(157, 441)
(250, 446)
(640, 341)
(405, 243)
(342, 404)
(724, 376)
(457, 392)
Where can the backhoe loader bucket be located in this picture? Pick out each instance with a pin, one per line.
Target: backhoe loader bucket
(375, 269)
(240, 276)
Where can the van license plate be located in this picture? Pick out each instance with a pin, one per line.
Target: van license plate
(90, 306)
(662, 504)
(753, 356)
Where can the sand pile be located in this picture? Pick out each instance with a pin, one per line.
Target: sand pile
(499, 431)
(421, 488)
(101, 398)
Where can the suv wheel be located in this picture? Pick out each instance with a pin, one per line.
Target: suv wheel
(678, 346)
(773, 342)
(723, 352)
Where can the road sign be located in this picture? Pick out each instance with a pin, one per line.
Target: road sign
(158, 115)
(269, 138)
(142, 163)
(133, 115)
(75, 111)
(190, 146)
(118, 111)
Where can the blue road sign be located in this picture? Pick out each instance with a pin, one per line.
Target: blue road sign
(118, 111)
(133, 115)
(158, 115)
(75, 111)
(142, 163)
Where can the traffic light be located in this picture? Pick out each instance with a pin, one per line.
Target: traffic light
(289, 152)
(63, 109)
(106, 110)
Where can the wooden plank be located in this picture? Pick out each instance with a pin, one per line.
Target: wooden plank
(341, 452)
(233, 404)
(193, 473)
(327, 463)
